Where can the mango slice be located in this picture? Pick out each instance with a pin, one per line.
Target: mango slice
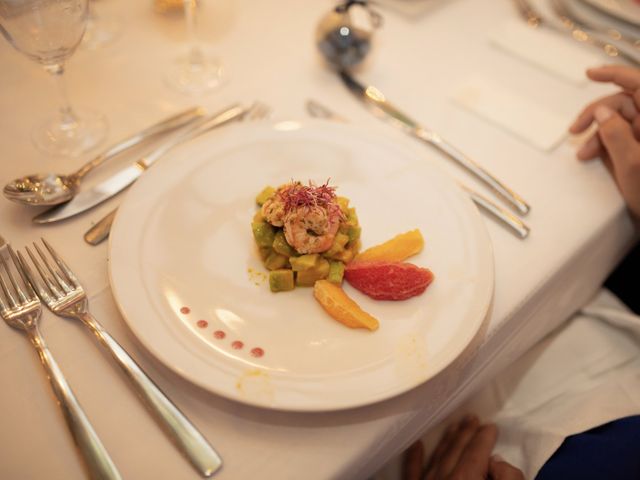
(342, 308)
(397, 249)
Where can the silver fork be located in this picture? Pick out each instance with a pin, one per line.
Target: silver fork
(61, 291)
(21, 309)
(100, 231)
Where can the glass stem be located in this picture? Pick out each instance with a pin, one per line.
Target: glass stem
(68, 118)
(196, 57)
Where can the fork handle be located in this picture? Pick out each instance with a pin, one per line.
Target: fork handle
(96, 457)
(181, 431)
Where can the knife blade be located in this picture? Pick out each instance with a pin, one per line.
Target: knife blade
(126, 176)
(375, 99)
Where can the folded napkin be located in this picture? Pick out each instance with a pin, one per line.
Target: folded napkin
(511, 110)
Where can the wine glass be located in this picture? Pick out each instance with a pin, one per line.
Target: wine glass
(102, 29)
(48, 32)
(194, 73)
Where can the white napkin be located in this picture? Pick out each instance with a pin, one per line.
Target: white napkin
(547, 49)
(585, 375)
(507, 108)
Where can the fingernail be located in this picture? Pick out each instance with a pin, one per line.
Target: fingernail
(496, 457)
(602, 114)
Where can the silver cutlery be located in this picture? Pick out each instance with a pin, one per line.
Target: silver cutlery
(46, 189)
(100, 231)
(511, 221)
(381, 107)
(535, 20)
(123, 178)
(62, 293)
(21, 309)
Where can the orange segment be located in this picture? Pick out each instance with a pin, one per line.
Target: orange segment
(341, 307)
(397, 249)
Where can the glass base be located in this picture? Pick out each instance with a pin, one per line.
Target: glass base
(195, 78)
(55, 137)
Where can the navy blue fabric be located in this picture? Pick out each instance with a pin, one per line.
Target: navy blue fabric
(610, 451)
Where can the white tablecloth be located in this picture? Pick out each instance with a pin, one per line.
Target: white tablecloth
(580, 230)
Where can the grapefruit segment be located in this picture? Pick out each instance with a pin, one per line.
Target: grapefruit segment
(388, 280)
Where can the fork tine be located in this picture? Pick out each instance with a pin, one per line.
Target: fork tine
(45, 278)
(61, 264)
(56, 276)
(33, 280)
(5, 288)
(16, 286)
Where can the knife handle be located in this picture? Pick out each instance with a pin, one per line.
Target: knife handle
(100, 231)
(452, 152)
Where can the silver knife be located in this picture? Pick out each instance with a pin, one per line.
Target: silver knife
(125, 177)
(375, 99)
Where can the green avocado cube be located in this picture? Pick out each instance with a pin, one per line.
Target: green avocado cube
(281, 246)
(336, 272)
(275, 261)
(264, 195)
(281, 280)
(308, 277)
(263, 233)
(304, 262)
(338, 245)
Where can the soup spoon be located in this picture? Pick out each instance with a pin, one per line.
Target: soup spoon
(52, 189)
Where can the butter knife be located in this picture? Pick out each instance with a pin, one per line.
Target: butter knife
(126, 176)
(375, 99)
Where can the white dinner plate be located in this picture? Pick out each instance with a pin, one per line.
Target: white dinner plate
(187, 278)
(628, 10)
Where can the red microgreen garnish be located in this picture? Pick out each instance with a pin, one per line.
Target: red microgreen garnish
(297, 195)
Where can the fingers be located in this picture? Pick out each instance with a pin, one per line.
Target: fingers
(475, 457)
(622, 75)
(464, 435)
(591, 149)
(617, 137)
(412, 462)
(620, 102)
(501, 470)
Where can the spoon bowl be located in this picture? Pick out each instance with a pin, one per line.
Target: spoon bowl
(44, 189)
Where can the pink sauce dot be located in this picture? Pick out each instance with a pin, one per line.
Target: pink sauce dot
(237, 345)
(257, 352)
(202, 323)
(219, 334)
(185, 310)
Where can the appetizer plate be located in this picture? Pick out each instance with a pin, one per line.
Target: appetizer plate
(188, 280)
(628, 10)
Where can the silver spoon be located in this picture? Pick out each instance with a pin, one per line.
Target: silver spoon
(53, 189)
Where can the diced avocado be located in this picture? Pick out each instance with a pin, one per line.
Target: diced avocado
(264, 252)
(352, 217)
(281, 246)
(306, 278)
(275, 261)
(343, 203)
(344, 256)
(263, 233)
(281, 280)
(354, 233)
(336, 272)
(258, 217)
(338, 245)
(264, 195)
(304, 262)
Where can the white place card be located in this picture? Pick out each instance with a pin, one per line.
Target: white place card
(509, 109)
(546, 49)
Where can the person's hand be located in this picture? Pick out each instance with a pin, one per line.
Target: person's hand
(464, 452)
(617, 141)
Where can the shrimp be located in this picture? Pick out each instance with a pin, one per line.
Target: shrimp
(312, 229)
(273, 210)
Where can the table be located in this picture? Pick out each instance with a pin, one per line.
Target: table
(580, 231)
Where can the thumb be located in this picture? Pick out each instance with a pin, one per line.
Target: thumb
(616, 135)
